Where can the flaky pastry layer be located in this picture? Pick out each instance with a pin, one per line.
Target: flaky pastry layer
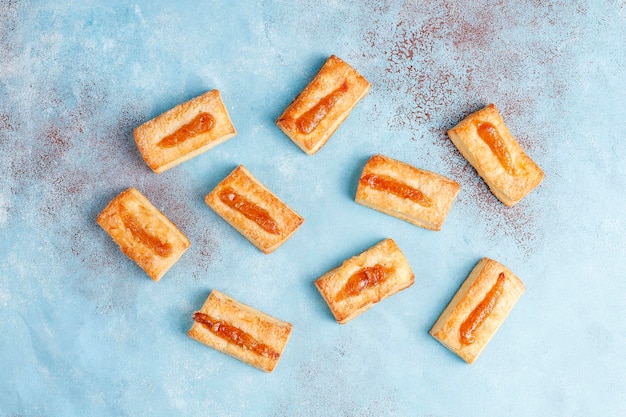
(143, 233)
(314, 115)
(275, 222)
(418, 196)
(478, 309)
(364, 280)
(156, 139)
(240, 331)
(485, 141)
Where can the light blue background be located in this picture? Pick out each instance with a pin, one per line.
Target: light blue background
(83, 331)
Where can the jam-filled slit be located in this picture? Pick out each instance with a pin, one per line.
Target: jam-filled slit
(202, 123)
(234, 335)
(249, 209)
(395, 187)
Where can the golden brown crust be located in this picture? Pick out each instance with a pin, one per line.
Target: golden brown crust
(356, 285)
(508, 185)
(468, 298)
(266, 331)
(150, 134)
(143, 233)
(342, 86)
(438, 191)
(285, 221)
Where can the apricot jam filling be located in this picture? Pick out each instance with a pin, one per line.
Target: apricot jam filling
(312, 117)
(234, 335)
(489, 134)
(363, 279)
(249, 209)
(390, 185)
(481, 312)
(202, 123)
(140, 234)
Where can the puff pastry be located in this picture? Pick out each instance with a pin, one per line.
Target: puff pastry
(418, 196)
(253, 210)
(185, 131)
(315, 114)
(143, 233)
(240, 331)
(364, 280)
(478, 309)
(485, 141)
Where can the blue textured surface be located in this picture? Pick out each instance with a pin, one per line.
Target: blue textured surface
(85, 332)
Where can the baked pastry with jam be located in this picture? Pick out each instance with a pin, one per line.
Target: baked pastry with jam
(143, 233)
(314, 115)
(478, 309)
(240, 331)
(485, 141)
(421, 197)
(251, 208)
(364, 280)
(184, 132)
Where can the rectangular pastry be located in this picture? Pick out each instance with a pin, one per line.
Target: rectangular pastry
(315, 114)
(485, 141)
(418, 196)
(253, 210)
(143, 233)
(364, 280)
(478, 309)
(240, 331)
(185, 131)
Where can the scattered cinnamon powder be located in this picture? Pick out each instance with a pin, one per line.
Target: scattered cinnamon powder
(7, 124)
(80, 154)
(178, 205)
(444, 60)
(208, 253)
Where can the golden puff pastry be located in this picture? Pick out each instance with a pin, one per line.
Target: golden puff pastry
(418, 196)
(143, 233)
(253, 210)
(315, 114)
(478, 309)
(240, 331)
(485, 141)
(185, 131)
(364, 280)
